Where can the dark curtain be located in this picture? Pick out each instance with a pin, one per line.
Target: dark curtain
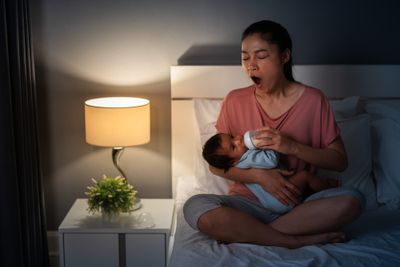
(23, 229)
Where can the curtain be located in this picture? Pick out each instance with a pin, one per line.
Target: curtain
(22, 221)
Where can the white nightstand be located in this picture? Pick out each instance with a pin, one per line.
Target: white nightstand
(88, 240)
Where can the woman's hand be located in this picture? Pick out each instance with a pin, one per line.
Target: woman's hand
(333, 157)
(272, 180)
(271, 138)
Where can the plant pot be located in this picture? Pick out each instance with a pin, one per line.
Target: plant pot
(110, 216)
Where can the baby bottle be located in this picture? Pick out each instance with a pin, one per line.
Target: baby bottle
(249, 140)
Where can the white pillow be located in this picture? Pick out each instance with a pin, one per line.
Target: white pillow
(345, 108)
(385, 132)
(384, 109)
(206, 112)
(355, 133)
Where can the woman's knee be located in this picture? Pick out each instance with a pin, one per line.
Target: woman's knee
(199, 202)
(197, 206)
(352, 199)
(205, 222)
(355, 200)
(349, 207)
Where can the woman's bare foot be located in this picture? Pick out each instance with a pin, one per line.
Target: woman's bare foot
(325, 238)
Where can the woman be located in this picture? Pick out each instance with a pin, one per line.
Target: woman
(297, 122)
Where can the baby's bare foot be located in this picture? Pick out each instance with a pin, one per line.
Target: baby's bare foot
(325, 238)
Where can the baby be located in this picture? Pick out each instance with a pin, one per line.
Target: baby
(224, 151)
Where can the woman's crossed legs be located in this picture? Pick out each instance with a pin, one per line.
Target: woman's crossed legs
(238, 219)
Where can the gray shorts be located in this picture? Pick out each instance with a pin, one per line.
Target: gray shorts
(199, 204)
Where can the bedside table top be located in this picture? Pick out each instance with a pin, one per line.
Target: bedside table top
(78, 219)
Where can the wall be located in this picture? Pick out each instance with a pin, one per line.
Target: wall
(86, 49)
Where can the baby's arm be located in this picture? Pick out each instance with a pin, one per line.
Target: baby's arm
(257, 158)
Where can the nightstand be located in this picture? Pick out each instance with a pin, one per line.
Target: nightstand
(89, 240)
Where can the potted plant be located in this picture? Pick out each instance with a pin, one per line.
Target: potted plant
(110, 196)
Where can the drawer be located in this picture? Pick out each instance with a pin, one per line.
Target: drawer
(146, 250)
(83, 249)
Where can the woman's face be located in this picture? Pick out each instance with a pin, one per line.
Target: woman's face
(263, 62)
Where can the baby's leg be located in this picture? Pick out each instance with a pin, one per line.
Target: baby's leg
(303, 179)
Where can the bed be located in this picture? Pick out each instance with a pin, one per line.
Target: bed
(366, 103)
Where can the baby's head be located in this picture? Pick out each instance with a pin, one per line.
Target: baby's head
(223, 150)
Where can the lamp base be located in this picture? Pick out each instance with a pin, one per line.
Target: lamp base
(116, 154)
(137, 204)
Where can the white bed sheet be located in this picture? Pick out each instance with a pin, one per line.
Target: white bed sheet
(374, 241)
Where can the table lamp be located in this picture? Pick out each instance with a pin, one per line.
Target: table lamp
(117, 122)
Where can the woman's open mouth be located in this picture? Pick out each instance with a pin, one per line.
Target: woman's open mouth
(256, 80)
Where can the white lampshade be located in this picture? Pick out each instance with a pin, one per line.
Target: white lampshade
(117, 121)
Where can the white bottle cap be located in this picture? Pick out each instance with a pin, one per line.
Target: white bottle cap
(247, 140)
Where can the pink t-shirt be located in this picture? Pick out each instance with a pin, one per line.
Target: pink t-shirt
(309, 121)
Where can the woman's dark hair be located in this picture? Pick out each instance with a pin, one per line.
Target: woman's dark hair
(211, 155)
(273, 33)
